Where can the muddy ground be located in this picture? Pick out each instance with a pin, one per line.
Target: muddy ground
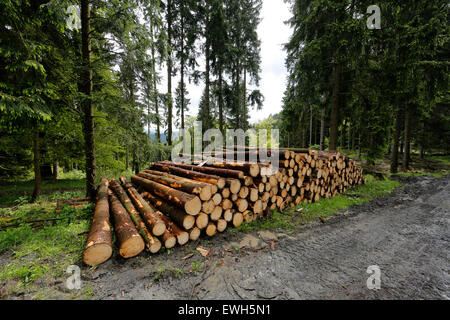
(406, 234)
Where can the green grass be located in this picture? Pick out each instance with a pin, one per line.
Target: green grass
(16, 193)
(44, 251)
(323, 208)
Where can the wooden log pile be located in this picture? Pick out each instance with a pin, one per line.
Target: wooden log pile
(171, 203)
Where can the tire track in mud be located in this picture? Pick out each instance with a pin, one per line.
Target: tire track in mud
(406, 234)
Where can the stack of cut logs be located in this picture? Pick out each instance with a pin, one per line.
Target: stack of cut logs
(173, 203)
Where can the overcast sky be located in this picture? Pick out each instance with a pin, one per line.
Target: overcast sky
(273, 33)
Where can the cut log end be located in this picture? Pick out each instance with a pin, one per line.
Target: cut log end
(221, 225)
(159, 228)
(211, 229)
(216, 214)
(254, 170)
(206, 193)
(238, 218)
(183, 238)
(235, 186)
(228, 215)
(202, 220)
(170, 242)
(155, 246)
(132, 247)
(193, 206)
(217, 199)
(97, 254)
(194, 234)
(188, 222)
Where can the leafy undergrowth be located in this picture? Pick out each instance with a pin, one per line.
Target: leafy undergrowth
(42, 250)
(308, 212)
(18, 193)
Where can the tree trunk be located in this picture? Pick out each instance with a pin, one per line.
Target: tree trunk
(178, 216)
(349, 135)
(322, 128)
(221, 127)
(153, 245)
(395, 143)
(335, 108)
(154, 223)
(244, 102)
(127, 157)
(182, 236)
(207, 85)
(204, 192)
(169, 73)
(86, 104)
(227, 173)
(194, 175)
(129, 241)
(190, 203)
(98, 247)
(422, 139)
(311, 126)
(250, 169)
(406, 154)
(37, 164)
(55, 170)
(214, 188)
(182, 66)
(155, 89)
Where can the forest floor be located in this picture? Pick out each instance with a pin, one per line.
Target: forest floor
(319, 250)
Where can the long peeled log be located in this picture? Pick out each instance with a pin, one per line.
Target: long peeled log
(129, 241)
(99, 245)
(250, 169)
(194, 175)
(227, 173)
(181, 235)
(188, 202)
(154, 223)
(204, 192)
(213, 187)
(152, 243)
(177, 215)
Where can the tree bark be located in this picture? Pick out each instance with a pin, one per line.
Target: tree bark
(422, 138)
(311, 126)
(194, 175)
(322, 128)
(181, 235)
(221, 104)
(129, 241)
(208, 170)
(204, 192)
(155, 89)
(214, 188)
(395, 144)
(37, 164)
(335, 108)
(98, 247)
(190, 203)
(86, 104)
(169, 73)
(55, 169)
(154, 223)
(250, 169)
(207, 87)
(153, 245)
(178, 216)
(407, 138)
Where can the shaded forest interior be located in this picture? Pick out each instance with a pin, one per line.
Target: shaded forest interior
(81, 89)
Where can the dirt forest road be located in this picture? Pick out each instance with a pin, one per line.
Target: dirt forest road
(406, 234)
